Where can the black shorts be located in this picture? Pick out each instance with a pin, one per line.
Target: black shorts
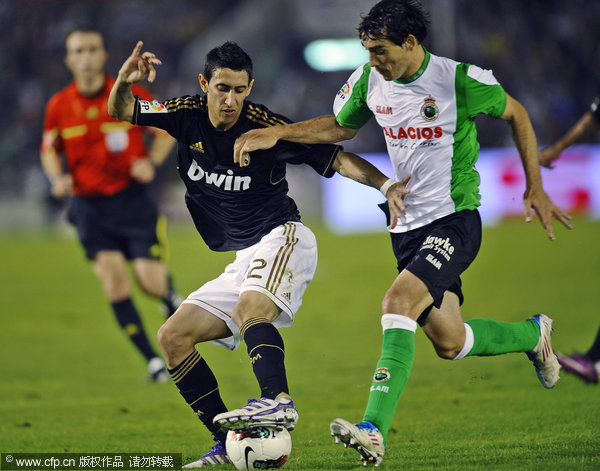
(440, 252)
(126, 221)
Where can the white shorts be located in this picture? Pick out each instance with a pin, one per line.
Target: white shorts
(280, 266)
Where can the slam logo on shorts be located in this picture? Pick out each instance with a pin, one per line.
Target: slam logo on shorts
(441, 248)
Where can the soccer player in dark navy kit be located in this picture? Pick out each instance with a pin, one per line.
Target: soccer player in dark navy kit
(243, 208)
(107, 167)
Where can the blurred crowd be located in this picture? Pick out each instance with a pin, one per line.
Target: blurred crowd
(545, 53)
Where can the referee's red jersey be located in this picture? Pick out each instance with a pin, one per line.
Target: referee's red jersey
(99, 149)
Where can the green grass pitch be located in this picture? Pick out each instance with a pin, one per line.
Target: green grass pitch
(70, 381)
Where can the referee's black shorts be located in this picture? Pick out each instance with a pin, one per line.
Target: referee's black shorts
(440, 252)
(126, 221)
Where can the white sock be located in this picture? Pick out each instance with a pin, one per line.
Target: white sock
(398, 321)
(469, 340)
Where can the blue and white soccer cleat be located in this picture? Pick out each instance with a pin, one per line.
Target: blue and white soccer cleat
(216, 456)
(278, 414)
(364, 437)
(543, 358)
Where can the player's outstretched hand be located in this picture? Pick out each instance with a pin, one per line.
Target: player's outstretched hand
(548, 156)
(137, 67)
(256, 139)
(395, 196)
(545, 209)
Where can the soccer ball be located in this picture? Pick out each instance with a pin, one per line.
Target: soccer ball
(258, 447)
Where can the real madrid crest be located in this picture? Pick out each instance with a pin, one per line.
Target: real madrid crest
(429, 110)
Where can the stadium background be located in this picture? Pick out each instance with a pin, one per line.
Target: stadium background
(545, 53)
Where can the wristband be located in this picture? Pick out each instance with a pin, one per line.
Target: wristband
(386, 186)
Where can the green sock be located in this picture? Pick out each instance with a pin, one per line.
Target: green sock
(495, 338)
(391, 376)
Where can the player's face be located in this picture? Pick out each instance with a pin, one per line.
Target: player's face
(390, 60)
(225, 95)
(86, 55)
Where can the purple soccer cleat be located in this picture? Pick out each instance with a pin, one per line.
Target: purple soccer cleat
(215, 457)
(266, 412)
(580, 365)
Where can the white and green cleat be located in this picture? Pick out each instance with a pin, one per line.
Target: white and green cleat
(364, 437)
(543, 358)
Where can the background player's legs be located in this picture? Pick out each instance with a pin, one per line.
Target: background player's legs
(111, 268)
(154, 279)
(190, 373)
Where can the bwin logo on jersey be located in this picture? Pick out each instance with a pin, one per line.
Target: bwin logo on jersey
(429, 110)
(229, 182)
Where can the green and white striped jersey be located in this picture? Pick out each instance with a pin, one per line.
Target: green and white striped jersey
(428, 121)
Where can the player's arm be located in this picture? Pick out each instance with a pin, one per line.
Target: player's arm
(161, 147)
(535, 197)
(322, 130)
(121, 101)
(50, 155)
(61, 182)
(358, 169)
(586, 124)
(144, 169)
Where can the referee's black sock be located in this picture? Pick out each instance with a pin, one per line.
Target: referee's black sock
(594, 352)
(266, 352)
(173, 299)
(198, 386)
(130, 321)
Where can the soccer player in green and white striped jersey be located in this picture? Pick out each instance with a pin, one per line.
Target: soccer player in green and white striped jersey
(426, 106)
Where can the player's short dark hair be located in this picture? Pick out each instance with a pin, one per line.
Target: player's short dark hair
(227, 56)
(83, 28)
(394, 20)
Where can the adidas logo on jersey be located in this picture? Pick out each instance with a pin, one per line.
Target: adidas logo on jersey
(228, 182)
(197, 147)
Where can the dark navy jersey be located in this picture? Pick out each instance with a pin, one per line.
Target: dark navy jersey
(595, 109)
(232, 206)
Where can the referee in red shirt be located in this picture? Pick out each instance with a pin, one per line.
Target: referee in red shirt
(105, 169)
